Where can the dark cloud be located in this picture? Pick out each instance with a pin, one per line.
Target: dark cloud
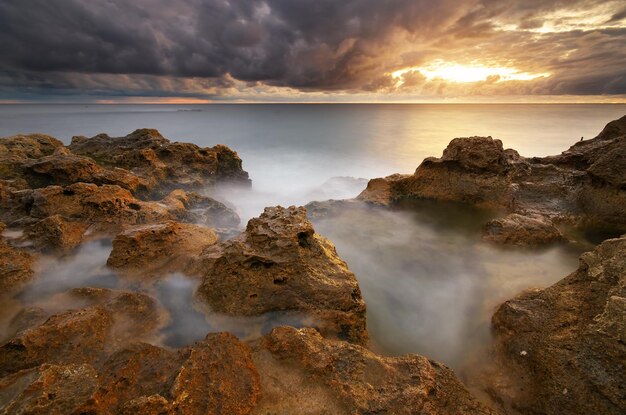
(204, 47)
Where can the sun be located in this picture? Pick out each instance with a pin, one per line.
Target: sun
(454, 72)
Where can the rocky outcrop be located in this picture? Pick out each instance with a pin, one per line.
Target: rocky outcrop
(584, 187)
(196, 208)
(167, 165)
(280, 264)
(83, 335)
(563, 349)
(17, 149)
(301, 372)
(160, 248)
(56, 234)
(16, 267)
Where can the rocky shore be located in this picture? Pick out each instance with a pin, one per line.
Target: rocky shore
(101, 351)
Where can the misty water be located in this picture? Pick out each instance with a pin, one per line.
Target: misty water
(429, 282)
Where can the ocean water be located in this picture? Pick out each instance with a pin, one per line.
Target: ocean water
(429, 282)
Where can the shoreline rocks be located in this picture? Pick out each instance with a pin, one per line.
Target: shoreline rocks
(583, 188)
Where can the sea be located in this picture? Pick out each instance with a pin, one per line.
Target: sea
(429, 282)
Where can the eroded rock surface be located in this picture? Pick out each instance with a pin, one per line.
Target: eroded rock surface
(165, 164)
(563, 349)
(520, 230)
(280, 264)
(301, 372)
(160, 248)
(55, 233)
(584, 187)
(16, 266)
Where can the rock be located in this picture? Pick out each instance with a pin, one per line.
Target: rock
(218, 377)
(139, 376)
(17, 149)
(521, 230)
(583, 188)
(302, 372)
(16, 267)
(162, 248)
(104, 206)
(196, 208)
(54, 233)
(49, 389)
(167, 165)
(280, 264)
(562, 349)
(82, 336)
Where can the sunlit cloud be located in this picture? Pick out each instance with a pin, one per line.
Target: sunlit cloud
(474, 72)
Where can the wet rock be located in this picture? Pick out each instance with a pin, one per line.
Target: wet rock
(103, 206)
(49, 389)
(280, 264)
(55, 233)
(584, 187)
(15, 267)
(167, 165)
(562, 349)
(302, 372)
(521, 230)
(139, 377)
(82, 336)
(162, 248)
(196, 208)
(218, 377)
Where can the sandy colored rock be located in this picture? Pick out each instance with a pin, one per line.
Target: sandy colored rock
(17, 149)
(82, 336)
(195, 208)
(280, 264)
(168, 165)
(49, 389)
(218, 378)
(147, 405)
(302, 372)
(55, 233)
(563, 349)
(16, 267)
(584, 187)
(521, 230)
(160, 248)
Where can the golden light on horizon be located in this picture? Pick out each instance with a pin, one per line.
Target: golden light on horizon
(454, 72)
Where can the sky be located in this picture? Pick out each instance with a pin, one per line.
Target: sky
(202, 51)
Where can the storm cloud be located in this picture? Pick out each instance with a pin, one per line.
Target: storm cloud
(223, 48)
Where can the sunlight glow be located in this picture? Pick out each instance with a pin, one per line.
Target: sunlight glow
(453, 72)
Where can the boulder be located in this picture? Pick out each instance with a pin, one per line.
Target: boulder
(302, 372)
(563, 349)
(196, 208)
(16, 267)
(280, 264)
(519, 230)
(19, 148)
(49, 389)
(168, 165)
(160, 248)
(55, 233)
(84, 335)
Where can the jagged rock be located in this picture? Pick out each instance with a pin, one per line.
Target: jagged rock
(280, 264)
(584, 187)
(49, 389)
(302, 372)
(17, 149)
(563, 349)
(146, 405)
(83, 335)
(15, 267)
(197, 208)
(168, 165)
(218, 377)
(162, 248)
(56, 234)
(521, 230)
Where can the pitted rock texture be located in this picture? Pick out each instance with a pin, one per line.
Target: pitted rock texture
(280, 264)
(584, 187)
(167, 165)
(563, 349)
(160, 248)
